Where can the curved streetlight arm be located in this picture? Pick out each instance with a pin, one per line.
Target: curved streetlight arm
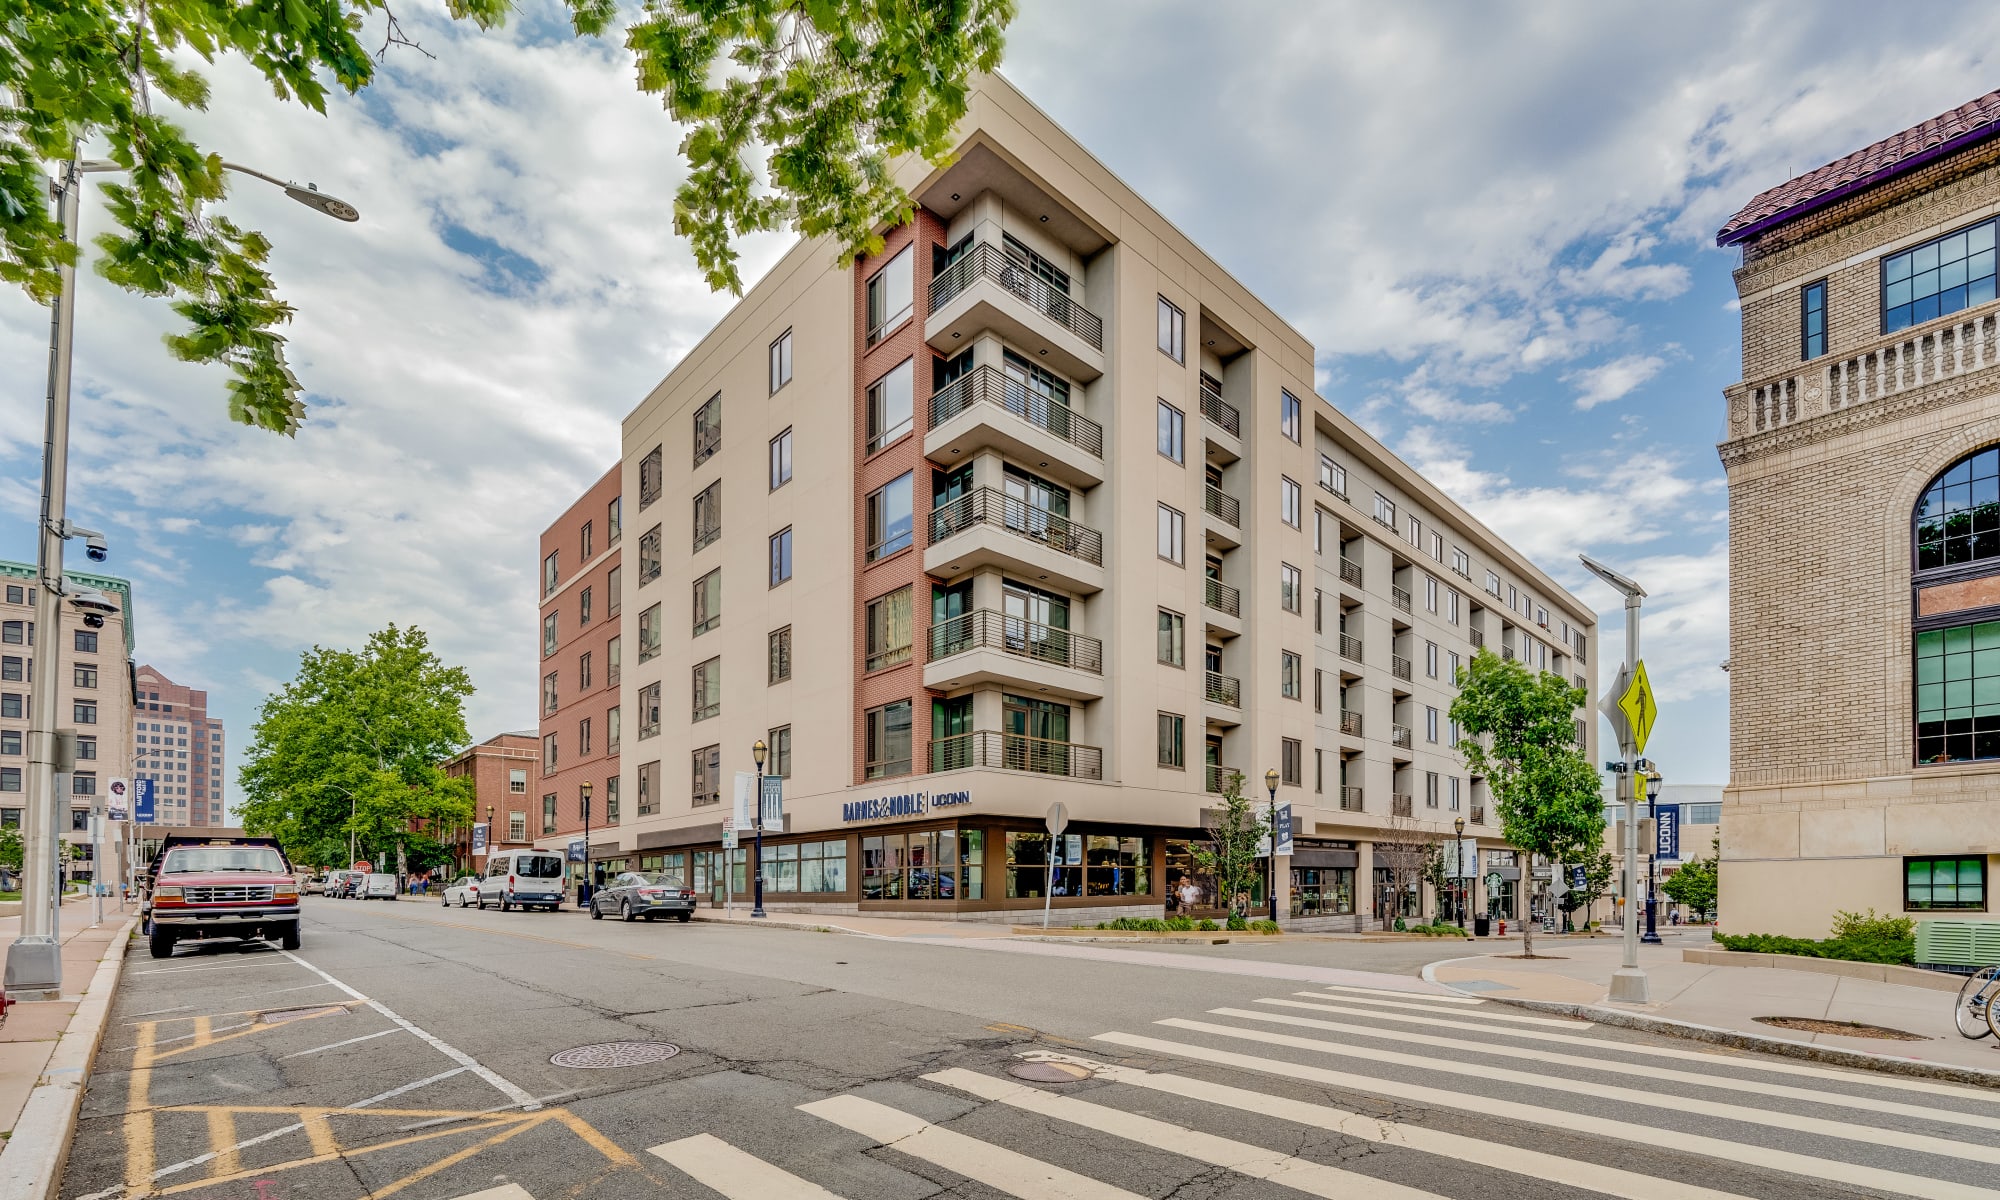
(306, 194)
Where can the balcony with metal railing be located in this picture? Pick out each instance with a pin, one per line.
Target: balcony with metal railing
(989, 646)
(1350, 722)
(1219, 412)
(986, 409)
(1222, 598)
(1477, 638)
(989, 289)
(1225, 691)
(1216, 780)
(1478, 816)
(1399, 735)
(1401, 805)
(1350, 572)
(1016, 752)
(1351, 799)
(985, 527)
(1223, 529)
(1400, 597)
(1350, 647)
(1400, 666)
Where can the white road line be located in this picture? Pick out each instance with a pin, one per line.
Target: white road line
(1534, 1164)
(1810, 1166)
(295, 1126)
(1821, 1126)
(366, 1037)
(735, 1174)
(159, 1012)
(1727, 1083)
(1467, 1001)
(255, 962)
(1001, 1169)
(1298, 1174)
(518, 1096)
(1487, 1014)
(394, 1092)
(506, 1191)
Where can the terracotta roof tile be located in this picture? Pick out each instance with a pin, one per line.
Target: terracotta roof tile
(1969, 122)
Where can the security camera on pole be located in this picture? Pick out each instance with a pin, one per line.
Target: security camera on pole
(1631, 709)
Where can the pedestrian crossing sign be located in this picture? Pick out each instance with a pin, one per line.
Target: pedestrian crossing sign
(1639, 707)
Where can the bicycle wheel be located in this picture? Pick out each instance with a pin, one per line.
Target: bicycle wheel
(1973, 1013)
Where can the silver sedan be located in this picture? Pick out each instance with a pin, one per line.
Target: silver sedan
(635, 894)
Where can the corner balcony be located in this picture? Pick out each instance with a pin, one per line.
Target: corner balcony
(985, 646)
(1016, 752)
(986, 410)
(988, 290)
(988, 528)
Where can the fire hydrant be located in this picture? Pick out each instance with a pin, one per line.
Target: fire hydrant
(1503, 927)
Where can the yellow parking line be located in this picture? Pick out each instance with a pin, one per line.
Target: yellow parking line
(138, 1121)
(228, 1159)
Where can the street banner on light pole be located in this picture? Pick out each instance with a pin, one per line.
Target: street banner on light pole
(577, 850)
(143, 810)
(118, 806)
(774, 802)
(479, 837)
(1667, 832)
(745, 811)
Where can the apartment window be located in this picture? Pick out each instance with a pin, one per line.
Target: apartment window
(1291, 762)
(548, 635)
(707, 692)
(1416, 532)
(1430, 789)
(1385, 510)
(781, 460)
(649, 788)
(649, 711)
(1430, 594)
(85, 712)
(1430, 723)
(708, 429)
(1431, 659)
(549, 813)
(10, 781)
(86, 747)
(551, 575)
(649, 634)
(1291, 675)
(1037, 266)
(890, 295)
(1451, 599)
(517, 826)
(614, 520)
(1451, 661)
(15, 594)
(651, 478)
(1333, 476)
(1492, 585)
(1513, 598)
(1172, 432)
(1436, 549)
(1291, 587)
(14, 633)
(1172, 648)
(611, 800)
(707, 602)
(613, 580)
(1173, 331)
(14, 669)
(708, 515)
(549, 754)
(1950, 883)
(887, 741)
(86, 641)
(614, 729)
(888, 630)
(780, 655)
(1461, 562)
(781, 361)
(1172, 740)
(706, 776)
(650, 555)
(10, 704)
(1171, 527)
(83, 783)
(1812, 320)
(517, 781)
(583, 738)
(588, 539)
(779, 741)
(1289, 421)
(10, 743)
(613, 661)
(1289, 504)
(1541, 616)
(584, 603)
(548, 693)
(891, 524)
(891, 403)
(781, 556)
(1941, 276)
(1954, 521)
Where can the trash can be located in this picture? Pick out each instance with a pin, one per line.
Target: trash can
(1482, 926)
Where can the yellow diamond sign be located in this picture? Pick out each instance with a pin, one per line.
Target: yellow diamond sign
(1639, 707)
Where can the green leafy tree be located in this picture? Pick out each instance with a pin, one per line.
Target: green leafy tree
(828, 91)
(352, 746)
(1231, 853)
(1695, 883)
(10, 848)
(1598, 873)
(1520, 733)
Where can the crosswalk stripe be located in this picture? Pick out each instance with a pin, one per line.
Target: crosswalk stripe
(1579, 1087)
(1500, 1156)
(1745, 1062)
(1611, 1066)
(1426, 997)
(1301, 1175)
(998, 1168)
(1811, 1166)
(721, 1167)
(1436, 1013)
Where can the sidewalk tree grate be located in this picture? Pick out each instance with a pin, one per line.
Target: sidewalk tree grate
(1050, 1072)
(605, 1055)
(1843, 1028)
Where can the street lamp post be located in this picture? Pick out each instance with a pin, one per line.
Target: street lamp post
(1271, 823)
(1628, 982)
(1458, 867)
(585, 887)
(1652, 934)
(757, 753)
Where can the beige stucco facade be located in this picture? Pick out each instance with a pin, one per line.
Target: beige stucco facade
(1829, 806)
(1315, 592)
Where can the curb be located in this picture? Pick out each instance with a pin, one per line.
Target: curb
(1736, 1039)
(32, 1160)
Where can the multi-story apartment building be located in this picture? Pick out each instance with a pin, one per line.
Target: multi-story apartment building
(1863, 455)
(94, 698)
(501, 768)
(581, 584)
(1037, 505)
(180, 747)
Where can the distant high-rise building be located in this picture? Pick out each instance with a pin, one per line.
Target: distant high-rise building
(178, 746)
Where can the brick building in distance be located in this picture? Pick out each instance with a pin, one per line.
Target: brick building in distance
(180, 747)
(499, 768)
(1863, 456)
(581, 580)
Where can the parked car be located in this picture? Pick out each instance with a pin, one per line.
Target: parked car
(463, 891)
(378, 886)
(208, 887)
(635, 894)
(528, 878)
(341, 884)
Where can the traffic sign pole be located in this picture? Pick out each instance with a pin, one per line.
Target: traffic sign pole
(1628, 983)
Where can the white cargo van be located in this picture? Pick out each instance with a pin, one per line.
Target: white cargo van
(379, 886)
(523, 878)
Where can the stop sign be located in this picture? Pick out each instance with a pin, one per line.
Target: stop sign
(363, 865)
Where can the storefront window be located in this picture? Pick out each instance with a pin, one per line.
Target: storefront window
(1322, 891)
(1083, 864)
(1117, 866)
(935, 864)
(1180, 868)
(1387, 897)
(806, 867)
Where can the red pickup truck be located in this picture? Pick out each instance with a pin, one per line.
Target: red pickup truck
(239, 887)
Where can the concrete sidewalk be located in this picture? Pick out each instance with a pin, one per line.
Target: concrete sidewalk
(1730, 998)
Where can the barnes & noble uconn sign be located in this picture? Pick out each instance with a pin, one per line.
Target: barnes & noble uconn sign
(909, 804)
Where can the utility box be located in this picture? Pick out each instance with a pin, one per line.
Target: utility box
(1942, 943)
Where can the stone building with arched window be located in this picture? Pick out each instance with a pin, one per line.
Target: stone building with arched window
(1863, 454)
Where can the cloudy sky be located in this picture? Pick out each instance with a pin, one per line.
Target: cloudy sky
(1495, 222)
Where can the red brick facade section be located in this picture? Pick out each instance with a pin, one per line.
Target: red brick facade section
(487, 764)
(576, 703)
(905, 568)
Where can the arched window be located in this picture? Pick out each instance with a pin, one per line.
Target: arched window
(1955, 540)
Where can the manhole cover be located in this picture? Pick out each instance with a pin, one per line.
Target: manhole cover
(1843, 1028)
(1048, 1072)
(615, 1054)
(278, 1016)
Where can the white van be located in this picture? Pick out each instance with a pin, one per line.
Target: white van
(528, 878)
(378, 886)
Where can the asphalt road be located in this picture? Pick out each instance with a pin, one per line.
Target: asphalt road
(406, 1051)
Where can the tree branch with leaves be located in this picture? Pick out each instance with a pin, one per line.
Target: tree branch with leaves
(1231, 853)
